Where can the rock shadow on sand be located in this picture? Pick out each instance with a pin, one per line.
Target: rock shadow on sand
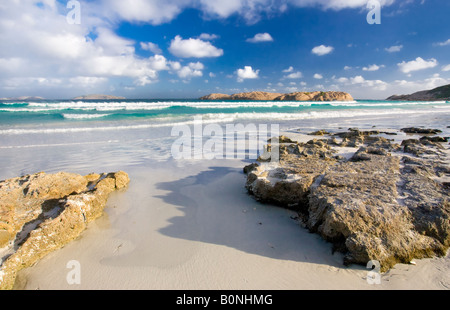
(218, 210)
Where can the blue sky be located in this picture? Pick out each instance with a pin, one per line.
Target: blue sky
(189, 48)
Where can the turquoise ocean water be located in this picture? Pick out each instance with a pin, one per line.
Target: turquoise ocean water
(69, 113)
(84, 136)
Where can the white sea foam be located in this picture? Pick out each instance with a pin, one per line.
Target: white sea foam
(142, 105)
(211, 118)
(84, 116)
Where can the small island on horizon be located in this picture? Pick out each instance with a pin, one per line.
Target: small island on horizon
(296, 96)
(98, 97)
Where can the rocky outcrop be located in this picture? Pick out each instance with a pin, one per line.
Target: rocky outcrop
(378, 204)
(297, 96)
(255, 95)
(216, 97)
(439, 93)
(421, 130)
(41, 213)
(316, 96)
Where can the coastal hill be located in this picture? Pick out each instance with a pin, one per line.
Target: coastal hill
(439, 93)
(296, 96)
(98, 97)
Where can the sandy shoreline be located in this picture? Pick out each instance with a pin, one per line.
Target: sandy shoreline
(191, 225)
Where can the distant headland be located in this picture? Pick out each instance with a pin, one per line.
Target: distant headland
(296, 96)
(98, 97)
(23, 98)
(439, 93)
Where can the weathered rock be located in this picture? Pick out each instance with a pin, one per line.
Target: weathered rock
(216, 97)
(283, 139)
(427, 139)
(316, 96)
(249, 168)
(319, 133)
(378, 205)
(255, 95)
(42, 212)
(421, 130)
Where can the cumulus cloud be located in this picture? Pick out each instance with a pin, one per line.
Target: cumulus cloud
(417, 64)
(247, 73)
(394, 48)
(193, 48)
(318, 76)
(294, 75)
(154, 12)
(446, 68)
(157, 12)
(322, 50)
(290, 69)
(373, 67)
(191, 70)
(208, 37)
(44, 47)
(260, 37)
(152, 47)
(360, 81)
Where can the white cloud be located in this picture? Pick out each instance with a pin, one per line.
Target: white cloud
(191, 70)
(261, 37)
(408, 87)
(360, 81)
(155, 12)
(347, 68)
(446, 68)
(373, 67)
(290, 69)
(318, 76)
(294, 75)
(322, 50)
(44, 47)
(152, 47)
(247, 73)
(208, 37)
(417, 64)
(212, 75)
(195, 48)
(394, 48)
(445, 43)
(338, 4)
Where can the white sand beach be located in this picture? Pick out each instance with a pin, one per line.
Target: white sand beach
(193, 226)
